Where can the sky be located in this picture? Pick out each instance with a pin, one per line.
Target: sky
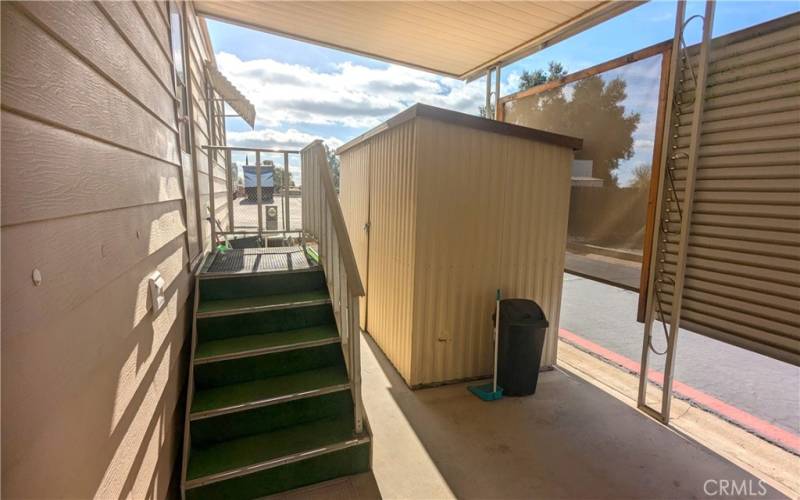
(303, 92)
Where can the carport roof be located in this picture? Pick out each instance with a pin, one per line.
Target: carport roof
(457, 39)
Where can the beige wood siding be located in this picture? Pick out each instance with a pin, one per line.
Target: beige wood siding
(92, 197)
(354, 198)
(455, 212)
(743, 269)
(199, 52)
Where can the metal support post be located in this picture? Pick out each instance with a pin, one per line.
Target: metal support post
(258, 195)
(286, 218)
(488, 104)
(497, 92)
(688, 200)
(674, 71)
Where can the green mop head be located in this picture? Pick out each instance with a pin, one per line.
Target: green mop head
(485, 392)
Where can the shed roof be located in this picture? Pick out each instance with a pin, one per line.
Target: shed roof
(457, 39)
(465, 120)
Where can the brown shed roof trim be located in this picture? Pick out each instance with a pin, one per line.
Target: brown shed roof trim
(465, 120)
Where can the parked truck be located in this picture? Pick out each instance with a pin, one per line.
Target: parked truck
(267, 182)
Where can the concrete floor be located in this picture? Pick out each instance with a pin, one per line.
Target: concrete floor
(570, 440)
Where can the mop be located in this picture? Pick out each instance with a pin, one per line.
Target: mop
(490, 392)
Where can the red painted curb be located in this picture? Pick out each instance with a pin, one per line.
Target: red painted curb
(762, 428)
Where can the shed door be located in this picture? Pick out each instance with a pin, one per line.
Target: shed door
(354, 198)
(743, 269)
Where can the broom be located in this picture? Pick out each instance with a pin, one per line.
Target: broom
(491, 392)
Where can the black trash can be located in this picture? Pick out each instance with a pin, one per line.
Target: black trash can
(522, 329)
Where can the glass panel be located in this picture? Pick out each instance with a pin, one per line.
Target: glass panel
(615, 115)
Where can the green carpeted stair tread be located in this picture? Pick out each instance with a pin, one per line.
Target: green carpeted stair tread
(251, 450)
(258, 390)
(231, 347)
(265, 301)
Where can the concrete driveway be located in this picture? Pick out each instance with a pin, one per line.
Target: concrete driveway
(757, 385)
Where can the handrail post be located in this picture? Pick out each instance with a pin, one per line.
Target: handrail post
(286, 219)
(258, 194)
(231, 184)
(355, 353)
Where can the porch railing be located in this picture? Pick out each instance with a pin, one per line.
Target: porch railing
(238, 223)
(323, 225)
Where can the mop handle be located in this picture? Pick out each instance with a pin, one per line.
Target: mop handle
(496, 337)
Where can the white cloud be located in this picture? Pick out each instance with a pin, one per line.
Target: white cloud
(289, 139)
(351, 95)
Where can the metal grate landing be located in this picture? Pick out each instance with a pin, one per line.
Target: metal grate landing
(258, 260)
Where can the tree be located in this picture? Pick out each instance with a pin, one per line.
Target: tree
(590, 108)
(641, 176)
(335, 165)
(278, 176)
(555, 70)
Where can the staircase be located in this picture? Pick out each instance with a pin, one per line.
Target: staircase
(271, 405)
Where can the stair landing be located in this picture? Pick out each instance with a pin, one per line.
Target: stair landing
(256, 261)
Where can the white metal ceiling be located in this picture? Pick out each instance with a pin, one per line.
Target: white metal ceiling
(458, 39)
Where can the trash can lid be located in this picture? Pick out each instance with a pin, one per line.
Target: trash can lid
(521, 312)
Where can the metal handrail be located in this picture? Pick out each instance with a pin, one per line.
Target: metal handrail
(323, 223)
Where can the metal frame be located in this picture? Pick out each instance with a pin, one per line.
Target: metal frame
(230, 185)
(685, 214)
(325, 224)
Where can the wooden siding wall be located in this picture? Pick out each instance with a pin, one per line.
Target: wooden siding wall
(92, 198)
(354, 198)
(501, 203)
(198, 54)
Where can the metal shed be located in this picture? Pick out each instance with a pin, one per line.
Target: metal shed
(443, 208)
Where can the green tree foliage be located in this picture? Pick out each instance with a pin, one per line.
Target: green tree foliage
(641, 176)
(278, 177)
(555, 70)
(335, 165)
(590, 108)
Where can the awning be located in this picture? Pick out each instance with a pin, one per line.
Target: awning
(457, 39)
(232, 96)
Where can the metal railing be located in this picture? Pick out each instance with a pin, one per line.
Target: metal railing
(324, 227)
(240, 220)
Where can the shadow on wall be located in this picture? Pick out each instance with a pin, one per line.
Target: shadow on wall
(92, 401)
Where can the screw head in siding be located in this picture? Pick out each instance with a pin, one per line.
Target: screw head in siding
(36, 276)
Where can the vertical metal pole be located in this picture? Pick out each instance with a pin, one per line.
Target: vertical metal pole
(680, 14)
(355, 372)
(258, 195)
(231, 187)
(286, 218)
(497, 93)
(488, 104)
(688, 200)
(210, 153)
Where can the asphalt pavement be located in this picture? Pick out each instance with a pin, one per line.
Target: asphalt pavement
(764, 387)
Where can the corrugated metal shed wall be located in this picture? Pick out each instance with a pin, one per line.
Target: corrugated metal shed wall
(454, 213)
(493, 213)
(354, 198)
(392, 238)
(743, 271)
